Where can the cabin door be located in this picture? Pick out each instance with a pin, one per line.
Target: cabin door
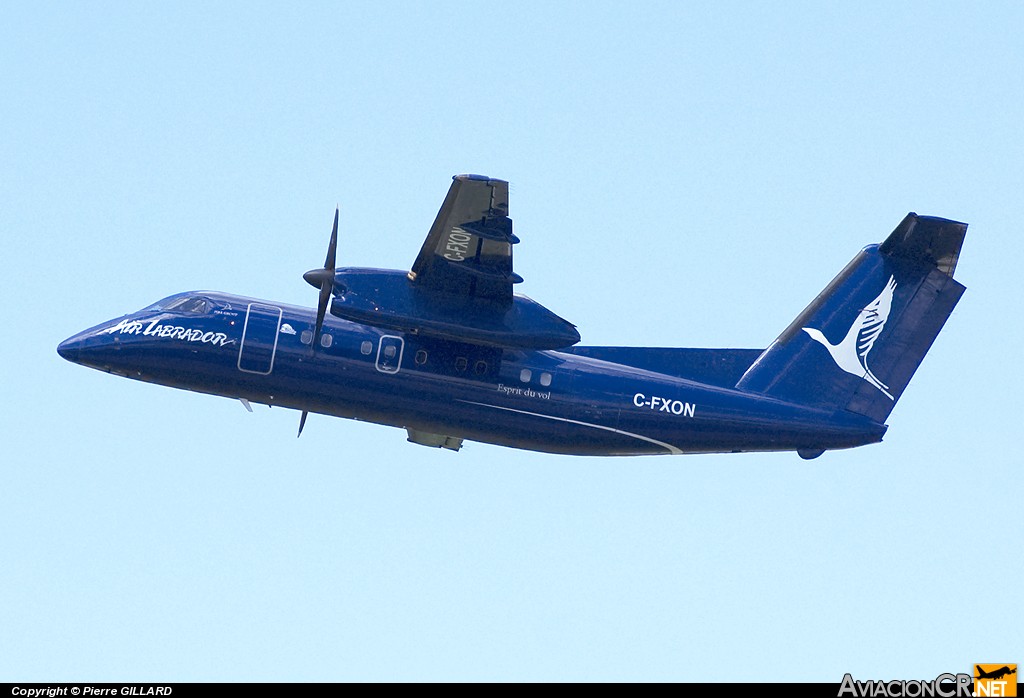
(259, 339)
(389, 354)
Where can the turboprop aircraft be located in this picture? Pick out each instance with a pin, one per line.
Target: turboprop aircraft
(448, 352)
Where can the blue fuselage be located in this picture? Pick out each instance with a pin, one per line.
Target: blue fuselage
(552, 401)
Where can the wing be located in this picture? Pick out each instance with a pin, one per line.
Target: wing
(874, 317)
(468, 251)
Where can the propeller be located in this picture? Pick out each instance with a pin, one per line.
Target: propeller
(324, 280)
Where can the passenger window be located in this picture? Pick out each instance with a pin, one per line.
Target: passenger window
(480, 368)
(525, 375)
(306, 337)
(366, 347)
(461, 363)
(390, 351)
(326, 340)
(421, 357)
(545, 379)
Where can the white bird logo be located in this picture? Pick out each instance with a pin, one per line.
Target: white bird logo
(851, 354)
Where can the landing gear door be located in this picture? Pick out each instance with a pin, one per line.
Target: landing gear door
(259, 339)
(389, 354)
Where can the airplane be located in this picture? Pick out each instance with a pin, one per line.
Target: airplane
(994, 674)
(448, 352)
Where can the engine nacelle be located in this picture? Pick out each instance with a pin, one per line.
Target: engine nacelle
(388, 299)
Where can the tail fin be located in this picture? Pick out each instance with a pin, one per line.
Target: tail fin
(856, 346)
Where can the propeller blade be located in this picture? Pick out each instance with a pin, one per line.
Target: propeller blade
(302, 422)
(324, 278)
(333, 247)
(321, 311)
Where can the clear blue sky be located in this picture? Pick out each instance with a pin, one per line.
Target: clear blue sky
(682, 174)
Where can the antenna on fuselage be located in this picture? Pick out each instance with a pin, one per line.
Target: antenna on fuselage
(324, 280)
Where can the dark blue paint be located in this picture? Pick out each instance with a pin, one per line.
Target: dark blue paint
(387, 299)
(440, 397)
(415, 362)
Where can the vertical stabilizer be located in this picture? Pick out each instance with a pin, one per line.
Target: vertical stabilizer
(857, 345)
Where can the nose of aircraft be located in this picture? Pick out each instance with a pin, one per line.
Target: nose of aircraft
(71, 348)
(89, 346)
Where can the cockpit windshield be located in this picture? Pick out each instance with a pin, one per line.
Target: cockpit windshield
(188, 305)
(160, 304)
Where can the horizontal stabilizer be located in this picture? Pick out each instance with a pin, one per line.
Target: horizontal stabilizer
(933, 241)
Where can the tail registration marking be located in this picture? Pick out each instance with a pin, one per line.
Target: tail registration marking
(661, 404)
